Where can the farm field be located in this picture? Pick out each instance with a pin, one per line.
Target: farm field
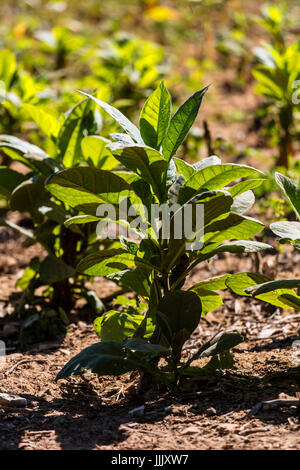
(111, 322)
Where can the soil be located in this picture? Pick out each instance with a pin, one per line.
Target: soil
(208, 414)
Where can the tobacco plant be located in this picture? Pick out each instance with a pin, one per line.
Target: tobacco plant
(278, 75)
(44, 314)
(151, 260)
(280, 293)
(16, 87)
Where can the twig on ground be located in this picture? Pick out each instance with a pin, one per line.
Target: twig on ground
(266, 405)
(23, 361)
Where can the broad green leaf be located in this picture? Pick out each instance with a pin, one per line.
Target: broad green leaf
(81, 219)
(241, 281)
(262, 288)
(133, 279)
(209, 300)
(122, 138)
(52, 210)
(106, 262)
(287, 230)
(238, 246)
(95, 151)
(53, 270)
(104, 358)
(140, 345)
(245, 246)
(187, 170)
(28, 154)
(181, 123)
(219, 343)
(244, 186)
(231, 227)
(119, 117)
(267, 287)
(28, 196)
(178, 310)
(145, 162)
(208, 161)
(243, 202)
(155, 117)
(8, 67)
(217, 363)
(78, 121)
(85, 188)
(9, 180)
(214, 283)
(216, 203)
(291, 190)
(184, 168)
(29, 273)
(215, 177)
(116, 326)
(44, 117)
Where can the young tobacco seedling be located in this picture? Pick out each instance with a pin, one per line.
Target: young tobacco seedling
(277, 76)
(280, 293)
(156, 264)
(68, 136)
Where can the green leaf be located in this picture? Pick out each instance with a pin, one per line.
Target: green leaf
(233, 226)
(85, 188)
(217, 345)
(286, 230)
(95, 151)
(267, 287)
(29, 273)
(106, 262)
(9, 180)
(78, 121)
(216, 204)
(8, 67)
(53, 270)
(215, 177)
(181, 123)
(145, 162)
(244, 186)
(44, 117)
(27, 196)
(133, 279)
(217, 363)
(291, 190)
(209, 300)
(104, 358)
(155, 117)
(241, 281)
(214, 283)
(116, 326)
(243, 202)
(81, 219)
(178, 310)
(128, 127)
(262, 288)
(187, 170)
(140, 345)
(28, 154)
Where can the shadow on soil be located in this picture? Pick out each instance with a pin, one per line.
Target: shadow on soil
(82, 421)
